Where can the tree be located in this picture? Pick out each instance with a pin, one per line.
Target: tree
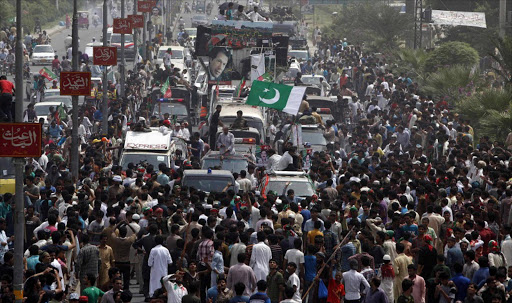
(490, 112)
(379, 26)
(450, 54)
(452, 83)
(412, 62)
(504, 58)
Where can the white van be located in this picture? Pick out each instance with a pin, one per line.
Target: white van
(152, 147)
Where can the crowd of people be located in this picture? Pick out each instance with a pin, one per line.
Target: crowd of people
(408, 205)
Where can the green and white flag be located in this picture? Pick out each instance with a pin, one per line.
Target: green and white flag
(282, 97)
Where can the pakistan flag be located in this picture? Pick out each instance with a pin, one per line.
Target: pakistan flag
(282, 97)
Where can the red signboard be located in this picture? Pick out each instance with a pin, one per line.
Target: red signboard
(137, 21)
(104, 55)
(20, 140)
(145, 6)
(75, 83)
(122, 26)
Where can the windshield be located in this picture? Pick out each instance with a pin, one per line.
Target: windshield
(43, 49)
(191, 32)
(207, 183)
(7, 171)
(199, 17)
(298, 54)
(311, 80)
(116, 38)
(176, 54)
(171, 109)
(301, 189)
(233, 165)
(153, 159)
(257, 124)
(51, 93)
(43, 110)
(313, 137)
(319, 103)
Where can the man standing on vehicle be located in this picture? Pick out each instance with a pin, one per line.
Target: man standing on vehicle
(214, 124)
(167, 57)
(239, 122)
(226, 142)
(6, 92)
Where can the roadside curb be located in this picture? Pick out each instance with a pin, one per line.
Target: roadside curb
(55, 30)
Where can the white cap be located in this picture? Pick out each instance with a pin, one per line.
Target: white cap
(386, 258)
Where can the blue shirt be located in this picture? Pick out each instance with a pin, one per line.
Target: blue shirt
(309, 268)
(480, 275)
(347, 251)
(462, 284)
(454, 255)
(413, 228)
(55, 131)
(32, 261)
(259, 297)
(212, 293)
(237, 299)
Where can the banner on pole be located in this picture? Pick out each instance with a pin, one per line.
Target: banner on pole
(20, 140)
(456, 18)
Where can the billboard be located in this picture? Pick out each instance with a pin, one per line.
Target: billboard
(239, 34)
(75, 83)
(455, 18)
(20, 140)
(220, 65)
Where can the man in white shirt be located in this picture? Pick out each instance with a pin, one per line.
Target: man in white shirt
(260, 257)
(245, 183)
(226, 142)
(294, 281)
(273, 161)
(286, 159)
(255, 16)
(353, 280)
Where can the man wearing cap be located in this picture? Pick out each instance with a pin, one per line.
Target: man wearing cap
(159, 259)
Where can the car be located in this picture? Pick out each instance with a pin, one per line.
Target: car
(177, 55)
(129, 50)
(245, 140)
(199, 20)
(207, 180)
(89, 49)
(314, 80)
(65, 100)
(7, 182)
(42, 109)
(173, 108)
(43, 54)
(192, 32)
(281, 181)
(50, 92)
(312, 134)
(234, 163)
(300, 55)
(253, 115)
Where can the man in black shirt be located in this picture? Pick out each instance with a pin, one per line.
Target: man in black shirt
(214, 124)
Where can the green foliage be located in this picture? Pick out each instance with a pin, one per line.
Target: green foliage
(412, 62)
(45, 10)
(452, 83)
(377, 25)
(450, 54)
(490, 112)
(504, 58)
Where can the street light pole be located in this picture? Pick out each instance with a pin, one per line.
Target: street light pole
(104, 100)
(19, 163)
(74, 131)
(135, 37)
(123, 62)
(144, 29)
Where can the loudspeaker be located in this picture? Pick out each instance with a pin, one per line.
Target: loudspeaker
(263, 42)
(282, 56)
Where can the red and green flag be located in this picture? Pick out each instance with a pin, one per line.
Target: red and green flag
(239, 88)
(60, 114)
(48, 74)
(267, 77)
(166, 89)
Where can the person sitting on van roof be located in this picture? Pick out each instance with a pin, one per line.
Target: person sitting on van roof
(239, 122)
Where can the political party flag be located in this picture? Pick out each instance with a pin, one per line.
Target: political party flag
(266, 77)
(239, 88)
(282, 97)
(166, 89)
(60, 114)
(48, 74)
(257, 66)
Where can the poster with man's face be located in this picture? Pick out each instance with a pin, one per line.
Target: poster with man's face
(220, 66)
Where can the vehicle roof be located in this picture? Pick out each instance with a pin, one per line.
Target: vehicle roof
(315, 97)
(247, 129)
(287, 178)
(216, 154)
(94, 44)
(153, 140)
(173, 47)
(48, 103)
(43, 45)
(203, 172)
(312, 76)
(51, 90)
(310, 126)
(248, 110)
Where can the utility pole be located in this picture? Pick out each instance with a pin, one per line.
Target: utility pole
(74, 131)
(19, 163)
(135, 37)
(123, 62)
(503, 18)
(144, 29)
(104, 100)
